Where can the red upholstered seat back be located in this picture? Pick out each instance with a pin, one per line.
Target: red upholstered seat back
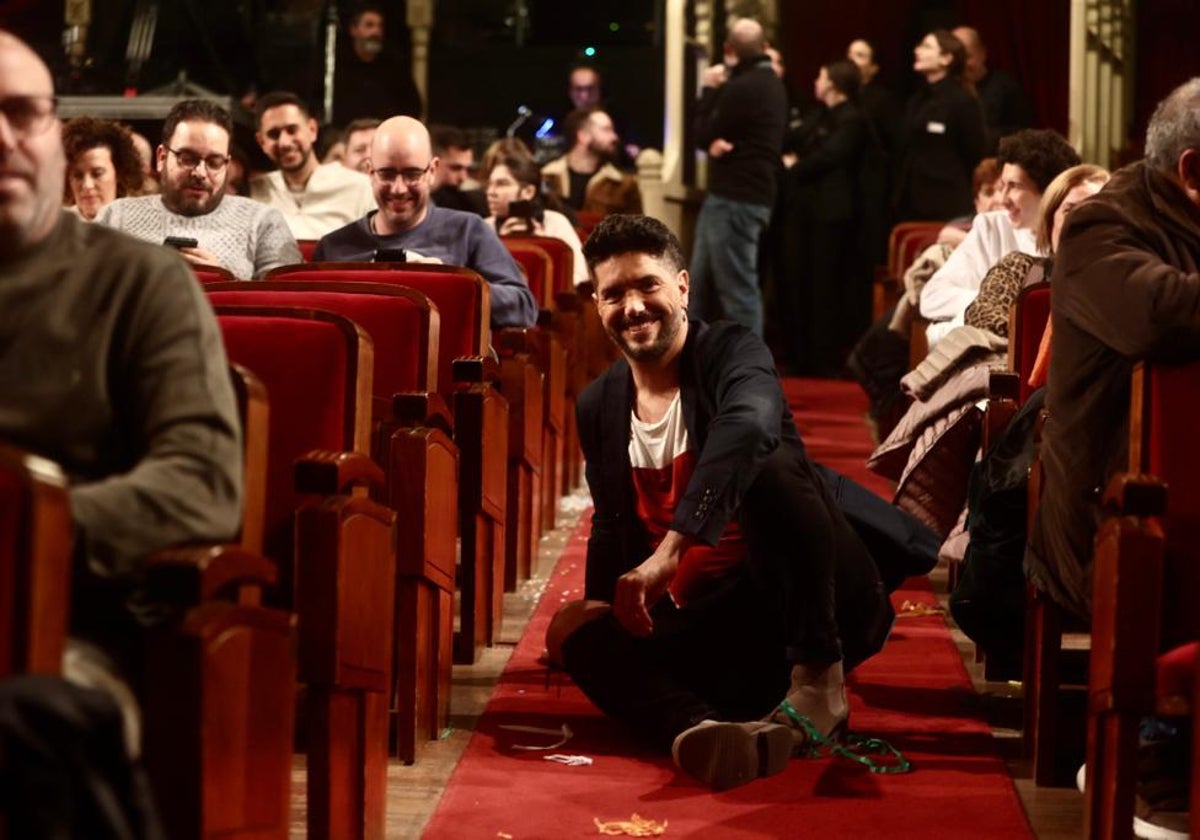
(903, 244)
(1172, 453)
(402, 323)
(913, 244)
(308, 364)
(1031, 312)
(537, 265)
(213, 274)
(587, 221)
(460, 295)
(561, 256)
(306, 246)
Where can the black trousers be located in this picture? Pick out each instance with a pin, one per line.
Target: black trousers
(810, 593)
(64, 772)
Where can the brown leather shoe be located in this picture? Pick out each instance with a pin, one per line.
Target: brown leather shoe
(725, 755)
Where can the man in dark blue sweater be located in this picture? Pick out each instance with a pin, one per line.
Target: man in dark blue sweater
(402, 168)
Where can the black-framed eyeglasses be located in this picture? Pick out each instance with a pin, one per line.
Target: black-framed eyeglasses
(29, 115)
(190, 160)
(411, 177)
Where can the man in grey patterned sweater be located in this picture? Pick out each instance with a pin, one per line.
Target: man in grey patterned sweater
(239, 234)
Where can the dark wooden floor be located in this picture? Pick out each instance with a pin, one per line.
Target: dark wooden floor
(413, 792)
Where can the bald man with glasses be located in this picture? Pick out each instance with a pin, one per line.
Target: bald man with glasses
(242, 235)
(403, 168)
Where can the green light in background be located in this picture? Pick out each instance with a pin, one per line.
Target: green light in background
(589, 51)
(614, 26)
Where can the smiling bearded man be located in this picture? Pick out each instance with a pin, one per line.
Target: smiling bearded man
(723, 583)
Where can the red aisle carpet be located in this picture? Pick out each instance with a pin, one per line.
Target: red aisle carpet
(915, 693)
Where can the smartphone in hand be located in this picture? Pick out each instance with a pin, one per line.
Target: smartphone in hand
(391, 255)
(181, 242)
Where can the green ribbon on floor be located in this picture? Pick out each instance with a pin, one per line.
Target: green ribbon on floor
(857, 748)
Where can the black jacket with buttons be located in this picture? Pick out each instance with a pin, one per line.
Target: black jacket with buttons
(944, 138)
(736, 416)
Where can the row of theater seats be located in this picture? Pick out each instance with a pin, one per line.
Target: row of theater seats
(391, 460)
(1143, 645)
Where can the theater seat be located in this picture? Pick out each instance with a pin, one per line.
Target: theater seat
(335, 548)
(467, 379)
(1145, 578)
(411, 441)
(35, 563)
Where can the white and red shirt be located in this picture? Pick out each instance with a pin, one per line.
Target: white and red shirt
(662, 467)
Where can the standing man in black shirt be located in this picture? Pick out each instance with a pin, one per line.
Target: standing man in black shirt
(1005, 106)
(369, 79)
(740, 123)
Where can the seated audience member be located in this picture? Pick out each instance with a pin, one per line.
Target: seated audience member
(1000, 286)
(358, 144)
(146, 153)
(512, 179)
(881, 356)
(402, 166)
(102, 165)
(988, 197)
(700, 619)
(236, 233)
(1126, 287)
(585, 90)
(113, 367)
(239, 171)
(1029, 160)
(585, 178)
(989, 602)
(335, 148)
(1005, 106)
(313, 197)
(943, 135)
(497, 150)
(452, 187)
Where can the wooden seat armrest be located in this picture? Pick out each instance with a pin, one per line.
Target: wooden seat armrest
(193, 574)
(1004, 385)
(475, 369)
(331, 473)
(512, 340)
(425, 409)
(1130, 494)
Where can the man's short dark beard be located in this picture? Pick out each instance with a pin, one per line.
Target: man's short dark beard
(303, 161)
(669, 329)
(175, 206)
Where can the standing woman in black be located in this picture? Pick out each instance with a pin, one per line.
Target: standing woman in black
(827, 289)
(944, 134)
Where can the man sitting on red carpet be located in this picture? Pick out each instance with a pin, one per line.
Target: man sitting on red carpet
(719, 567)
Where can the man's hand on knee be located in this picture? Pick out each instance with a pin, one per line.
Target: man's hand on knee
(639, 589)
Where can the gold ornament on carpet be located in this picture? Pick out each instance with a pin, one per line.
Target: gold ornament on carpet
(635, 826)
(916, 609)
